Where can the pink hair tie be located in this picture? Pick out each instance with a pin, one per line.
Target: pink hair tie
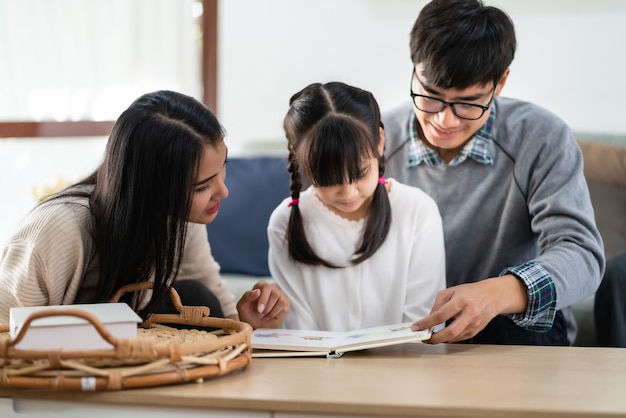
(382, 180)
(293, 202)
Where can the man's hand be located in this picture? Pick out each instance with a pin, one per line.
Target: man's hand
(265, 306)
(471, 306)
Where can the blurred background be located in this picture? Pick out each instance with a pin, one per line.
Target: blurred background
(68, 68)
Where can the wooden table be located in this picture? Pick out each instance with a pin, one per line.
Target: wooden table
(416, 380)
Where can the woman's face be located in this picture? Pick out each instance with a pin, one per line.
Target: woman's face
(209, 188)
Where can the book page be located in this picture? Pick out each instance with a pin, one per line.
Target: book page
(307, 340)
(293, 339)
(384, 335)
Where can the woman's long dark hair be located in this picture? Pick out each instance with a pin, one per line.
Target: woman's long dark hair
(142, 191)
(331, 129)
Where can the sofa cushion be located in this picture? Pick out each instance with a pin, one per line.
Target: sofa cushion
(609, 205)
(605, 171)
(603, 162)
(238, 235)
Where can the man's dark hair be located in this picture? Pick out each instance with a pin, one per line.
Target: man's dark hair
(461, 43)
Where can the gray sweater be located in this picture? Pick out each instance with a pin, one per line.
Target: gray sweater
(532, 204)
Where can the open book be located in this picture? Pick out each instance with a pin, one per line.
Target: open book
(291, 343)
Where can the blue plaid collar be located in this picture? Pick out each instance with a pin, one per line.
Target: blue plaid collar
(477, 148)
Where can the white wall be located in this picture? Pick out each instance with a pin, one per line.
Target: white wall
(571, 57)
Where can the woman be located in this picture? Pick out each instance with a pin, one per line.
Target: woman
(139, 217)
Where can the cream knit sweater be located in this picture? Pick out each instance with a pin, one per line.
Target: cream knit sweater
(49, 259)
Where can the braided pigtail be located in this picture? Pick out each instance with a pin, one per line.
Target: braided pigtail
(299, 247)
(332, 130)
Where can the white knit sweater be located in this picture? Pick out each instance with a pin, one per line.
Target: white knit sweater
(49, 259)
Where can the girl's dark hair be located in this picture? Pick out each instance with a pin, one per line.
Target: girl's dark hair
(461, 43)
(142, 192)
(331, 129)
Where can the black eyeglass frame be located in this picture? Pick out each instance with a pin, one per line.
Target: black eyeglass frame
(451, 104)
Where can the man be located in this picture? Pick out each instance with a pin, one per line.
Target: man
(521, 241)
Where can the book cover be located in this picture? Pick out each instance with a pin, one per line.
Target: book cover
(292, 343)
(72, 332)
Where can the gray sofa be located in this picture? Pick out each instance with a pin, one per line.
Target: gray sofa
(238, 236)
(258, 183)
(605, 171)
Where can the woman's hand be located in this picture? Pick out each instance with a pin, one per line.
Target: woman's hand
(265, 306)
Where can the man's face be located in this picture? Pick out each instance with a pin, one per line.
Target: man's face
(444, 131)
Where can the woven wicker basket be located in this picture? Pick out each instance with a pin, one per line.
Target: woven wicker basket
(159, 355)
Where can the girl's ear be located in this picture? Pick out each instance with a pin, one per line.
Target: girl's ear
(381, 142)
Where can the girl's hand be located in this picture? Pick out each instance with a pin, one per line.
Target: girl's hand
(265, 306)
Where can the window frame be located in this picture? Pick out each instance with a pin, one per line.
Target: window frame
(86, 128)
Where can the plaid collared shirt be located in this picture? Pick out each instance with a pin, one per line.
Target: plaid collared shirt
(477, 148)
(541, 309)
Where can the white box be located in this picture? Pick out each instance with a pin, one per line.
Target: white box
(71, 332)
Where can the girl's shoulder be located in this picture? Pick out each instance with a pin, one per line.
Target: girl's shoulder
(404, 192)
(404, 197)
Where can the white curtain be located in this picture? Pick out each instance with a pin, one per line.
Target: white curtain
(89, 59)
(82, 60)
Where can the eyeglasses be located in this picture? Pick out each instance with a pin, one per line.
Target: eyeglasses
(461, 110)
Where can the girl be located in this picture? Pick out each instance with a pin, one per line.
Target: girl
(139, 217)
(354, 250)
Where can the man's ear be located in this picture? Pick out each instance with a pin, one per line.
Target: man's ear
(502, 82)
(381, 142)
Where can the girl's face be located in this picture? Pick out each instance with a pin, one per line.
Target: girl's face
(351, 201)
(209, 188)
